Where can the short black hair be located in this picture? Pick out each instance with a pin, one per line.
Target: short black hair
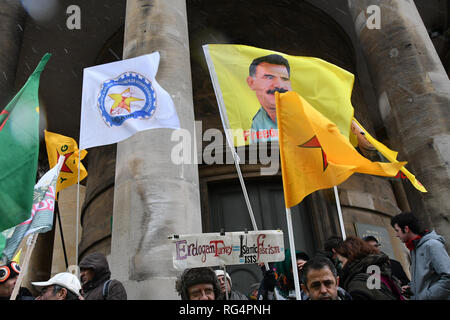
(370, 238)
(407, 219)
(69, 296)
(317, 263)
(332, 243)
(272, 59)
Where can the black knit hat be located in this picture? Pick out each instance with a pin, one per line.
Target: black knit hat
(191, 277)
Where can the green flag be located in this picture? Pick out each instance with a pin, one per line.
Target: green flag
(19, 149)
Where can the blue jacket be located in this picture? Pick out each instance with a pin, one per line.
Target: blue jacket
(430, 269)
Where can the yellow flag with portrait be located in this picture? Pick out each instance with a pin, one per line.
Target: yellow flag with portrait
(327, 87)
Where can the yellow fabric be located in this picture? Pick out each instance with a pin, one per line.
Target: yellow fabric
(17, 257)
(325, 86)
(392, 157)
(59, 145)
(304, 169)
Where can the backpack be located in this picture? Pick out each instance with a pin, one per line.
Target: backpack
(105, 290)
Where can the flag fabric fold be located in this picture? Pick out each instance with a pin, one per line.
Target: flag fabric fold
(19, 149)
(122, 98)
(314, 154)
(66, 147)
(41, 218)
(390, 155)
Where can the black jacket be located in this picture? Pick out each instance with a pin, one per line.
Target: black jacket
(93, 290)
(355, 279)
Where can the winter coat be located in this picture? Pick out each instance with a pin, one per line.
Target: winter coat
(430, 268)
(93, 289)
(355, 279)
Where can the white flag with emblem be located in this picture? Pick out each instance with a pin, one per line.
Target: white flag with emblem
(122, 98)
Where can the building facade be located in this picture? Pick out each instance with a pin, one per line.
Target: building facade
(135, 197)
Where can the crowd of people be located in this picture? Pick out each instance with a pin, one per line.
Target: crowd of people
(350, 269)
(94, 283)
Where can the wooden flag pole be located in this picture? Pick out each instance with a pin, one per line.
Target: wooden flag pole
(341, 220)
(293, 257)
(31, 242)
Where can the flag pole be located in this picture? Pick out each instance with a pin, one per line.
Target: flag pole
(78, 209)
(225, 123)
(31, 242)
(58, 215)
(226, 126)
(338, 206)
(293, 257)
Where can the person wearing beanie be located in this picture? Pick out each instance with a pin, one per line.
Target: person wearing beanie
(9, 273)
(96, 280)
(63, 286)
(198, 284)
(228, 287)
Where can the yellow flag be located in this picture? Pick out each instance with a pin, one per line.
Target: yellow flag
(314, 154)
(62, 146)
(249, 99)
(391, 156)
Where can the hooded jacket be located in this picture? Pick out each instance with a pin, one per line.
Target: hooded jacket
(93, 289)
(430, 268)
(355, 279)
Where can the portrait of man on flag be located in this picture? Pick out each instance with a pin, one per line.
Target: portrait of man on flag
(246, 78)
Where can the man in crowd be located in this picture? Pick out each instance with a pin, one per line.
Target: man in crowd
(9, 273)
(396, 267)
(198, 284)
(430, 263)
(321, 282)
(96, 279)
(63, 286)
(226, 286)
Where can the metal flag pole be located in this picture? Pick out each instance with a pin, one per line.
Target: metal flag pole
(225, 124)
(58, 215)
(338, 205)
(78, 209)
(293, 257)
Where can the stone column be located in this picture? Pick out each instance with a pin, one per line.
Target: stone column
(11, 32)
(414, 98)
(154, 198)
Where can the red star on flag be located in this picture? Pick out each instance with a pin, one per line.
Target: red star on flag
(314, 143)
(65, 168)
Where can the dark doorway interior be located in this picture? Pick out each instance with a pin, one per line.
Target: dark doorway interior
(229, 212)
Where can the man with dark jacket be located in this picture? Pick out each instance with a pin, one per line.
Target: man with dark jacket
(396, 267)
(430, 263)
(95, 278)
(321, 281)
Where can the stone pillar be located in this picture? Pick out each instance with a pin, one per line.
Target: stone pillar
(154, 198)
(11, 32)
(414, 97)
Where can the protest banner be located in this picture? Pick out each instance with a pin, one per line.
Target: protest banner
(216, 249)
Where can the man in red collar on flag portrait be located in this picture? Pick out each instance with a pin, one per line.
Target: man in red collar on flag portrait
(430, 263)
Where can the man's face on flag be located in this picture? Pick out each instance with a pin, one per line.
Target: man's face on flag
(268, 79)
